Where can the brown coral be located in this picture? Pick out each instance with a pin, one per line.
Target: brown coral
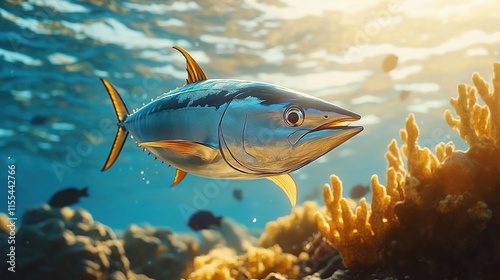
(159, 253)
(67, 244)
(439, 217)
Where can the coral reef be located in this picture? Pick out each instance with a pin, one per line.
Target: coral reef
(358, 237)
(152, 250)
(67, 244)
(229, 234)
(256, 263)
(279, 258)
(322, 259)
(439, 217)
(83, 249)
(290, 232)
(64, 243)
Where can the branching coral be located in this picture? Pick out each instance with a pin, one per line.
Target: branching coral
(358, 237)
(478, 125)
(439, 217)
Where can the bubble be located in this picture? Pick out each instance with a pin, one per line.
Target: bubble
(254, 220)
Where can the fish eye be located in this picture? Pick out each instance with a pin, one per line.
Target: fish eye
(294, 116)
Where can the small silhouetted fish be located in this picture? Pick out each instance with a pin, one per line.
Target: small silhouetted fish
(404, 94)
(238, 194)
(359, 191)
(39, 120)
(203, 220)
(68, 196)
(390, 62)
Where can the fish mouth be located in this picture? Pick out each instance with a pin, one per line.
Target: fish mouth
(342, 121)
(342, 124)
(331, 133)
(339, 131)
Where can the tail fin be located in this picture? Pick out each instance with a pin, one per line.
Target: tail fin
(121, 113)
(218, 220)
(84, 191)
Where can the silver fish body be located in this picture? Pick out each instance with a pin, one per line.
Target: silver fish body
(243, 121)
(233, 129)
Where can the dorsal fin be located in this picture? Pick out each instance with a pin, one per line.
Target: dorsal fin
(195, 73)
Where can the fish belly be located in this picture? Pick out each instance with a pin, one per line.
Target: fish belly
(218, 168)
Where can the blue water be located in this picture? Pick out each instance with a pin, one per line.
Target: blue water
(52, 54)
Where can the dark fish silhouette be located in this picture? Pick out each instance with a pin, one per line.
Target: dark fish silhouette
(68, 196)
(390, 62)
(238, 194)
(359, 191)
(203, 220)
(404, 94)
(39, 120)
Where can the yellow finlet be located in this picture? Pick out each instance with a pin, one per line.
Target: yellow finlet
(286, 183)
(195, 73)
(184, 147)
(179, 176)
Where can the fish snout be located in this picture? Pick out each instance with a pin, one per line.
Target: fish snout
(339, 118)
(335, 129)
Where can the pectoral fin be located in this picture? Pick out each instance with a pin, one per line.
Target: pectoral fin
(204, 152)
(179, 176)
(286, 183)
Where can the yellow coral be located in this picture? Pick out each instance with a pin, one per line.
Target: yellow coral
(260, 262)
(478, 125)
(218, 264)
(257, 263)
(445, 199)
(357, 236)
(290, 232)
